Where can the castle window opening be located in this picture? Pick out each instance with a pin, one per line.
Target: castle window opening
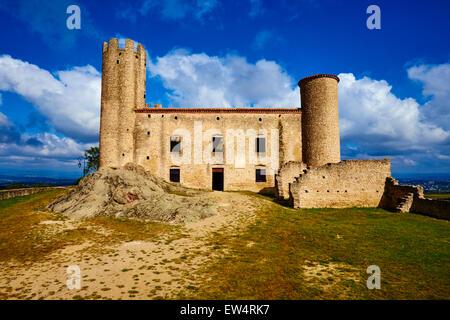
(176, 118)
(260, 175)
(117, 61)
(217, 142)
(218, 118)
(148, 157)
(148, 133)
(174, 175)
(175, 144)
(260, 145)
(149, 116)
(260, 119)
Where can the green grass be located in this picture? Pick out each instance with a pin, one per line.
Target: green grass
(411, 250)
(438, 196)
(269, 258)
(12, 201)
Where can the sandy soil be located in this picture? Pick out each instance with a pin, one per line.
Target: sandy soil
(129, 270)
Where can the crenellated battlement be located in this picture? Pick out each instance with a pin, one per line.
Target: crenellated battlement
(113, 45)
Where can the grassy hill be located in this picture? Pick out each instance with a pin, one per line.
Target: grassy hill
(275, 252)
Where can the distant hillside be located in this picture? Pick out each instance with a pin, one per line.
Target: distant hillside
(31, 180)
(429, 185)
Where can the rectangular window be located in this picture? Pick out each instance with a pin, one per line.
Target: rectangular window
(260, 175)
(175, 144)
(260, 145)
(217, 144)
(175, 175)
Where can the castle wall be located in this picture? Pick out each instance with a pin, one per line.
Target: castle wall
(350, 183)
(394, 193)
(286, 175)
(320, 119)
(411, 199)
(154, 127)
(434, 208)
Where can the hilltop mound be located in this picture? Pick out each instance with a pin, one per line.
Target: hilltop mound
(134, 193)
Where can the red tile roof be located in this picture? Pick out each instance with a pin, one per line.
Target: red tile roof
(219, 110)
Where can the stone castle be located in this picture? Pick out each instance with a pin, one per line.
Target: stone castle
(289, 152)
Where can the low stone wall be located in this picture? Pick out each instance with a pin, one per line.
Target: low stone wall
(350, 183)
(393, 195)
(286, 175)
(6, 194)
(433, 208)
(411, 199)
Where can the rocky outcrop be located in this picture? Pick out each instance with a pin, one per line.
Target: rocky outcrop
(132, 192)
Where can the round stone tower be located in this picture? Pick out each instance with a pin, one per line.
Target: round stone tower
(320, 119)
(123, 90)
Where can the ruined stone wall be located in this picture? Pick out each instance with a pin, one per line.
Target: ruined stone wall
(7, 194)
(350, 183)
(394, 193)
(286, 175)
(434, 208)
(411, 199)
(123, 90)
(155, 126)
(320, 119)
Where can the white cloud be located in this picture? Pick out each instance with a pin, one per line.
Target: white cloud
(199, 80)
(70, 99)
(435, 80)
(45, 145)
(378, 122)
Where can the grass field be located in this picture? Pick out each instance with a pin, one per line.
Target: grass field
(282, 254)
(335, 246)
(445, 195)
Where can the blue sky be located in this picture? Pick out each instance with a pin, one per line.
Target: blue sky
(394, 91)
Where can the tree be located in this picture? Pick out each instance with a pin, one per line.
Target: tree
(92, 157)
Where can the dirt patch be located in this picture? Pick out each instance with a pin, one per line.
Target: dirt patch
(132, 192)
(164, 267)
(328, 275)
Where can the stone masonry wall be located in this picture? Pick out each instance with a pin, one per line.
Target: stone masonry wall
(320, 119)
(7, 194)
(411, 199)
(433, 208)
(155, 126)
(350, 183)
(393, 195)
(286, 175)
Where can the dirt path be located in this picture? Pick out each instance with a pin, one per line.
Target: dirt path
(163, 268)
